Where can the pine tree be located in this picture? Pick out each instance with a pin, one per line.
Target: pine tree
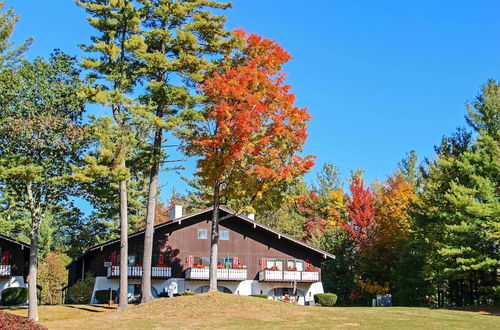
(115, 73)
(461, 207)
(183, 38)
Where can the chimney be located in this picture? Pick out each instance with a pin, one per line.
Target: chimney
(251, 216)
(176, 212)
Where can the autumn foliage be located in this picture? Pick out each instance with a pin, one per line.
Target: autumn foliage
(361, 212)
(253, 129)
(394, 201)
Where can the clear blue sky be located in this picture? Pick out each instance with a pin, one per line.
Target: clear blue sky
(379, 77)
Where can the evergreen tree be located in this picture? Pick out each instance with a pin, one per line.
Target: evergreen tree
(182, 40)
(114, 74)
(460, 207)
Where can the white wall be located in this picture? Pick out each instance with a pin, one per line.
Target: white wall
(12, 282)
(244, 288)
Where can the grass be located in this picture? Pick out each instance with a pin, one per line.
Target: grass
(217, 310)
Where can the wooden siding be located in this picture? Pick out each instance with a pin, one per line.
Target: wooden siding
(18, 257)
(179, 241)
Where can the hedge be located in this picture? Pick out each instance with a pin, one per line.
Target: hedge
(14, 296)
(102, 296)
(325, 299)
(187, 293)
(265, 296)
(16, 322)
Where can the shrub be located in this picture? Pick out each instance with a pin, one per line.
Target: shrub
(187, 293)
(52, 277)
(15, 322)
(102, 296)
(265, 296)
(325, 299)
(14, 296)
(81, 291)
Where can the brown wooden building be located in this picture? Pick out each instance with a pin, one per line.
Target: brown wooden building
(253, 259)
(14, 256)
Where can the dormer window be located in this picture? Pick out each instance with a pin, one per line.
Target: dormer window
(224, 235)
(202, 234)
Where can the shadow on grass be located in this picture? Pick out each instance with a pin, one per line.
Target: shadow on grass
(13, 308)
(89, 309)
(483, 310)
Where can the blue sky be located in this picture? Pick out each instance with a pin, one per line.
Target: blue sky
(379, 77)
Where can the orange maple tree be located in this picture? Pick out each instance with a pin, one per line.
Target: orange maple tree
(252, 130)
(394, 201)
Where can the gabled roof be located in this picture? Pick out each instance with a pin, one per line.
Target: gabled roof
(230, 212)
(15, 241)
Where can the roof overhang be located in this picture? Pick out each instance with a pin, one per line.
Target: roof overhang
(15, 241)
(240, 216)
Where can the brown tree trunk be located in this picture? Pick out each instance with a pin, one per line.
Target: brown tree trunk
(123, 301)
(33, 260)
(150, 218)
(214, 240)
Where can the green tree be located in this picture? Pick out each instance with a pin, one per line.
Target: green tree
(409, 170)
(40, 136)
(183, 39)
(114, 74)
(460, 207)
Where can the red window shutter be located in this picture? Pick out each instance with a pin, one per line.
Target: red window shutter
(236, 261)
(161, 259)
(5, 258)
(190, 261)
(263, 263)
(113, 258)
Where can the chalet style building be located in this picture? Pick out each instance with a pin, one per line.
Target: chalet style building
(253, 259)
(14, 257)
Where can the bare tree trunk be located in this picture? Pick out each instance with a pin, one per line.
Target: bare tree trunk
(150, 217)
(33, 260)
(214, 240)
(123, 301)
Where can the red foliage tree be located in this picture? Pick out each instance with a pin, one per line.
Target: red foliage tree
(361, 211)
(251, 130)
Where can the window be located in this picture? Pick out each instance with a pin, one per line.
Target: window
(202, 234)
(297, 265)
(201, 261)
(225, 262)
(132, 260)
(275, 264)
(160, 259)
(224, 235)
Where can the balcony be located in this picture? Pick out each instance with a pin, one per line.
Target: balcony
(223, 274)
(136, 272)
(288, 276)
(5, 270)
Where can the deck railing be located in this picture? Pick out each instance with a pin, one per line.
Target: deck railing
(136, 272)
(223, 274)
(5, 270)
(288, 275)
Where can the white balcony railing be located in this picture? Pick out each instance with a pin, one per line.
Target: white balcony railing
(136, 271)
(223, 274)
(5, 270)
(288, 275)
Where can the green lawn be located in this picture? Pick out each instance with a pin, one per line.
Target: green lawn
(231, 311)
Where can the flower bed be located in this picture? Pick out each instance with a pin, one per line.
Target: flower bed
(15, 322)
